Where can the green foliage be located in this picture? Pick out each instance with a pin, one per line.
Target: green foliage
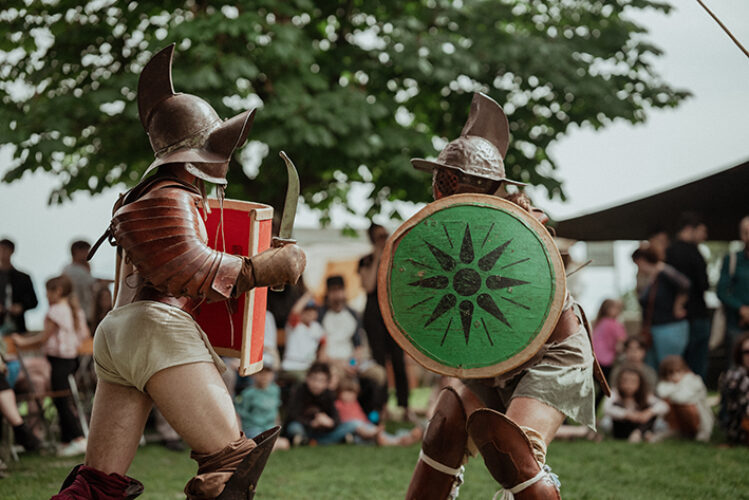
(351, 90)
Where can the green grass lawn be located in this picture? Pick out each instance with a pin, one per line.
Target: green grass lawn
(588, 470)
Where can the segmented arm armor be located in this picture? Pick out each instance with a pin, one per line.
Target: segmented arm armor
(160, 233)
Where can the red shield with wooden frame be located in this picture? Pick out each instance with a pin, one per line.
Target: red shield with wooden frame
(471, 286)
(236, 327)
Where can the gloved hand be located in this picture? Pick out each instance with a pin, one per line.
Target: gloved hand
(272, 267)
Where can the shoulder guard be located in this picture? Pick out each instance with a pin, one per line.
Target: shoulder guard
(160, 232)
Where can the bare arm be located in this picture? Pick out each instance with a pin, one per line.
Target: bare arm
(36, 339)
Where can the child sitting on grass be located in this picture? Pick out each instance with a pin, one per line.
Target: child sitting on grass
(635, 351)
(632, 409)
(350, 411)
(689, 415)
(259, 403)
(311, 416)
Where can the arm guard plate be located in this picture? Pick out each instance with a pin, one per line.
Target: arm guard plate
(160, 233)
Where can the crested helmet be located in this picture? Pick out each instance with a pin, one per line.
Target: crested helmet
(476, 158)
(183, 128)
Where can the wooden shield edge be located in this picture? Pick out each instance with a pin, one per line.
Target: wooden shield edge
(555, 309)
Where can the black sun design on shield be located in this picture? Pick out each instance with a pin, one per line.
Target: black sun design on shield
(462, 283)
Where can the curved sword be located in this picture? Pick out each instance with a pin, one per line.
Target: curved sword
(289, 209)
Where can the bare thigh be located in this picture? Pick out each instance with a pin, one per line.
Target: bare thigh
(117, 422)
(539, 416)
(194, 400)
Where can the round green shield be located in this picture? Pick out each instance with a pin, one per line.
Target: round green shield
(471, 286)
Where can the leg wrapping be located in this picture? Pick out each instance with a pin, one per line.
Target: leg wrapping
(87, 483)
(514, 456)
(233, 472)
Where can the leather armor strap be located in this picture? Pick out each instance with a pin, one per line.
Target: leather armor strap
(438, 466)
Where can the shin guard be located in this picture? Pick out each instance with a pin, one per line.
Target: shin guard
(87, 483)
(439, 469)
(514, 460)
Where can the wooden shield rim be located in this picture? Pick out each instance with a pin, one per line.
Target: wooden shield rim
(555, 308)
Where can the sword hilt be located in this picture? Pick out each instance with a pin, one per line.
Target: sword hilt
(277, 242)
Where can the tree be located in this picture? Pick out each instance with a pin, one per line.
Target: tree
(351, 89)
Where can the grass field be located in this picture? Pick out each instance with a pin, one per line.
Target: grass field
(588, 470)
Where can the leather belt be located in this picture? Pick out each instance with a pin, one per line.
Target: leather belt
(187, 304)
(566, 326)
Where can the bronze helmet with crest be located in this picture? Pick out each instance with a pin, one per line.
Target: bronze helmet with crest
(183, 128)
(474, 162)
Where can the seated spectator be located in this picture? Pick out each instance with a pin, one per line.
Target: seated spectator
(343, 347)
(689, 414)
(303, 336)
(259, 403)
(22, 435)
(632, 409)
(734, 395)
(311, 414)
(634, 355)
(349, 410)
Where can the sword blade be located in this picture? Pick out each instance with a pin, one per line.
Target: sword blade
(292, 199)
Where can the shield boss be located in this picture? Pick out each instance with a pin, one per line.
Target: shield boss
(471, 286)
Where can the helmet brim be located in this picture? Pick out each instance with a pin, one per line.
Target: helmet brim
(429, 166)
(219, 147)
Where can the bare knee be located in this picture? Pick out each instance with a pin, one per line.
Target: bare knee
(528, 412)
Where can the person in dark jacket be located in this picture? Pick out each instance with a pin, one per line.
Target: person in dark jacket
(16, 291)
(684, 256)
(311, 414)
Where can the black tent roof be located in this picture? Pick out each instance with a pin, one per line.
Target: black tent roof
(722, 199)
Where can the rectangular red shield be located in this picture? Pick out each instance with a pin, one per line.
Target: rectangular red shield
(236, 327)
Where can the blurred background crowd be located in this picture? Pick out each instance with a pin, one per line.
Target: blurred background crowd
(332, 373)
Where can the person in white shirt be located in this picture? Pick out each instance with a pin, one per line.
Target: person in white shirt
(303, 336)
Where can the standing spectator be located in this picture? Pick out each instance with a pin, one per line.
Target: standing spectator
(303, 336)
(733, 288)
(686, 258)
(689, 413)
(608, 334)
(16, 291)
(381, 344)
(79, 272)
(343, 346)
(64, 329)
(734, 395)
(662, 303)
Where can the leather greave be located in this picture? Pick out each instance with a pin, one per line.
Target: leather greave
(443, 450)
(511, 457)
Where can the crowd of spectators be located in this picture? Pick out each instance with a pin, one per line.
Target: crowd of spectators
(658, 376)
(327, 368)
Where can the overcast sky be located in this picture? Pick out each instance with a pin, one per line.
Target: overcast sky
(706, 133)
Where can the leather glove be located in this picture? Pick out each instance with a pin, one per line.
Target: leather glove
(272, 267)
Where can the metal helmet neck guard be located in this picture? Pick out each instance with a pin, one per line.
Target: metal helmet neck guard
(477, 156)
(183, 128)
